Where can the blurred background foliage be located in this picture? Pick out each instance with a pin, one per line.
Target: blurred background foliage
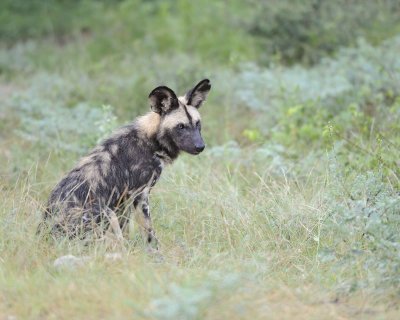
(283, 70)
(308, 30)
(302, 91)
(285, 31)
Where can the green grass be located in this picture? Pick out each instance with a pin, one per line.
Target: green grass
(292, 211)
(238, 242)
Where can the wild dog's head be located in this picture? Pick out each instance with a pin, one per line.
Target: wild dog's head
(180, 123)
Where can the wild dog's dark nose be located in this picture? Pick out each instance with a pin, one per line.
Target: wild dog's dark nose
(200, 148)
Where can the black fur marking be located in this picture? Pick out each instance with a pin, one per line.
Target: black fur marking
(145, 210)
(163, 100)
(188, 115)
(168, 145)
(201, 88)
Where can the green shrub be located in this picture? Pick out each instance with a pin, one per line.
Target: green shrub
(364, 213)
(357, 93)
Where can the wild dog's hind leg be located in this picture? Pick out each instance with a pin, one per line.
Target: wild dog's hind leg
(143, 219)
(114, 224)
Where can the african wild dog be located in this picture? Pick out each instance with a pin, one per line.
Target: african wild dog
(117, 175)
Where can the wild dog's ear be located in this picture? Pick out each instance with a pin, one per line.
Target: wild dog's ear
(198, 94)
(162, 100)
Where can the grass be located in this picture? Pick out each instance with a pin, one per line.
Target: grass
(249, 247)
(292, 211)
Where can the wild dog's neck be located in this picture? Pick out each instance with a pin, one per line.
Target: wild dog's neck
(149, 129)
(168, 148)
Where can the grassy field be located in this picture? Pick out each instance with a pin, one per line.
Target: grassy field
(293, 209)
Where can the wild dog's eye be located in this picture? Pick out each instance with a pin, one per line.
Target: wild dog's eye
(181, 126)
(198, 124)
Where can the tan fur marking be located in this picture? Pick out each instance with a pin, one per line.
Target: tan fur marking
(135, 167)
(85, 160)
(98, 149)
(164, 158)
(179, 116)
(175, 117)
(148, 124)
(114, 149)
(114, 224)
(92, 175)
(103, 183)
(120, 132)
(193, 113)
(90, 170)
(105, 163)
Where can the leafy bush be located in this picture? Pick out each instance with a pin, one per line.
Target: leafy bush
(356, 92)
(364, 212)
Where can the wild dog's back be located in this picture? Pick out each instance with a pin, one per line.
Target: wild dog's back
(121, 166)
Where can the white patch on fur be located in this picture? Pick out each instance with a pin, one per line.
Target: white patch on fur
(183, 100)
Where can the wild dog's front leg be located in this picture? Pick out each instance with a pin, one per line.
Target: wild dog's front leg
(114, 224)
(143, 219)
